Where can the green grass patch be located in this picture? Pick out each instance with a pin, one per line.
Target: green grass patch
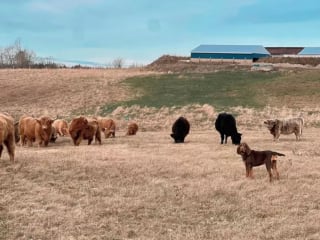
(220, 89)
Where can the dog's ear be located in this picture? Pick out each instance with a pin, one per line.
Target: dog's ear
(247, 149)
(238, 150)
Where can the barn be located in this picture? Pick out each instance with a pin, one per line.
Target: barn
(229, 52)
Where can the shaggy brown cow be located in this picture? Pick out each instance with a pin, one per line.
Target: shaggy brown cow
(35, 130)
(132, 129)
(61, 127)
(83, 128)
(7, 135)
(107, 126)
(285, 126)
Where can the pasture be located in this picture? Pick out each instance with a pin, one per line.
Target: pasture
(147, 187)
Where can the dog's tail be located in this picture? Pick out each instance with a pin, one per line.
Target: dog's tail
(277, 154)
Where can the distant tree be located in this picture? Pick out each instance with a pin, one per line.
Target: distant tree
(14, 56)
(118, 63)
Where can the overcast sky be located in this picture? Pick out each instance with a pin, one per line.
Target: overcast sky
(139, 31)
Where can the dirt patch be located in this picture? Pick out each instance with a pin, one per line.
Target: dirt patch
(179, 64)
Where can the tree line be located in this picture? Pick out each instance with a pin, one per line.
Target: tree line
(14, 56)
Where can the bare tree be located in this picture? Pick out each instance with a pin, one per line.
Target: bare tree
(118, 63)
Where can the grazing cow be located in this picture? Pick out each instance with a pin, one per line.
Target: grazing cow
(226, 125)
(35, 130)
(132, 129)
(285, 126)
(61, 127)
(107, 126)
(180, 129)
(83, 128)
(7, 135)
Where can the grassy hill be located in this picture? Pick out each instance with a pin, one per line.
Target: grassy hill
(223, 89)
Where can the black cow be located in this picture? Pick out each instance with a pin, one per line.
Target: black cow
(226, 126)
(180, 130)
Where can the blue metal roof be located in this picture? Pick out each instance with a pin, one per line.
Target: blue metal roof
(239, 49)
(310, 51)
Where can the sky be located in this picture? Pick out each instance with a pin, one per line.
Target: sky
(140, 31)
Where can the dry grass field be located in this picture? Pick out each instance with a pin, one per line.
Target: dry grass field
(145, 186)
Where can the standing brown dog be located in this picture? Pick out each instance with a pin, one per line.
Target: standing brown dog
(252, 158)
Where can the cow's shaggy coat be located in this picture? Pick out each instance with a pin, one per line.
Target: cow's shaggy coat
(84, 128)
(285, 126)
(132, 129)
(7, 134)
(35, 130)
(107, 126)
(180, 129)
(61, 127)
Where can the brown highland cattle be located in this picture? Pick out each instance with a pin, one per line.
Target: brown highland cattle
(107, 126)
(35, 130)
(83, 128)
(61, 127)
(7, 135)
(132, 129)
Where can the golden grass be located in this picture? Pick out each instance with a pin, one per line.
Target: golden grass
(144, 186)
(147, 187)
(61, 91)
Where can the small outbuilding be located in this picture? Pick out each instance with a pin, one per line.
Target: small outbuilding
(284, 51)
(229, 52)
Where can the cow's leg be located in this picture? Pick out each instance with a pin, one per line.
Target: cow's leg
(78, 141)
(226, 138)
(60, 131)
(10, 147)
(22, 140)
(29, 141)
(297, 133)
(90, 140)
(98, 137)
(1, 148)
(222, 137)
(39, 142)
